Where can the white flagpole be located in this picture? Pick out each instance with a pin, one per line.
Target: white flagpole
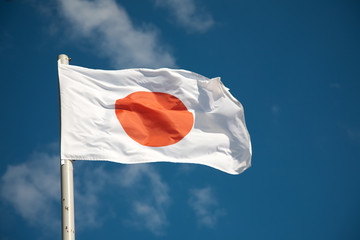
(67, 188)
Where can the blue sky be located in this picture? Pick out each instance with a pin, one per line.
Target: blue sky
(294, 65)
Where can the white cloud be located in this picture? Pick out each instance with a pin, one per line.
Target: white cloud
(147, 195)
(88, 185)
(108, 25)
(33, 190)
(150, 211)
(151, 217)
(205, 206)
(188, 15)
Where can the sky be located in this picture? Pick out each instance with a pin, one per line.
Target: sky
(294, 65)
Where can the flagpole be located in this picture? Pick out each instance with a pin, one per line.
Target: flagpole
(67, 188)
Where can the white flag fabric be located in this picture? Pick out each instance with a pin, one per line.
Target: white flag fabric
(147, 115)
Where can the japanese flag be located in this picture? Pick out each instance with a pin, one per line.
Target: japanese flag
(151, 115)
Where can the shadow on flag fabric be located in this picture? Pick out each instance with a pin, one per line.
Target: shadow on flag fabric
(151, 115)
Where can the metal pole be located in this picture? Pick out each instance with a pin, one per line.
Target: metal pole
(67, 188)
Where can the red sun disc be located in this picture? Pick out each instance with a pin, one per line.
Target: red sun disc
(154, 119)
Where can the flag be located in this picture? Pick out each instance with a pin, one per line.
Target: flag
(151, 115)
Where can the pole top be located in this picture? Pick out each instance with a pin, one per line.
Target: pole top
(64, 59)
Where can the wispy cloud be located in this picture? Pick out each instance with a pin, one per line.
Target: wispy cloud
(150, 211)
(205, 206)
(32, 188)
(88, 185)
(151, 217)
(188, 14)
(108, 25)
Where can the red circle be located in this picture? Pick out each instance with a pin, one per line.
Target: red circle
(154, 119)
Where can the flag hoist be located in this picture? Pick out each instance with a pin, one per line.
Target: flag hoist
(67, 186)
